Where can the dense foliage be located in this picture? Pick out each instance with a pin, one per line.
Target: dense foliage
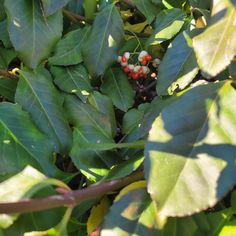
(117, 117)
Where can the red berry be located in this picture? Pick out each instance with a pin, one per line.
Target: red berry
(143, 62)
(148, 58)
(135, 75)
(126, 69)
(123, 59)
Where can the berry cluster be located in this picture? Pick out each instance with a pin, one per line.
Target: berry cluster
(140, 69)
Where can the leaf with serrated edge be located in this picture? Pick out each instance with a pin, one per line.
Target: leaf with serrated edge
(184, 165)
(216, 46)
(32, 34)
(44, 103)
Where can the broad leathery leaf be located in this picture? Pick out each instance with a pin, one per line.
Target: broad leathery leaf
(202, 4)
(52, 6)
(32, 34)
(93, 127)
(101, 48)
(167, 24)
(216, 46)
(136, 214)
(133, 214)
(37, 95)
(2, 10)
(22, 143)
(8, 88)
(118, 88)
(73, 79)
(184, 165)
(76, 6)
(90, 8)
(6, 56)
(85, 116)
(178, 67)
(97, 214)
(94, 164)
(60, 229)
(173, 3)
(4, 36)
(68, 50)
(104, 105)
(25, 180)
(149, 10)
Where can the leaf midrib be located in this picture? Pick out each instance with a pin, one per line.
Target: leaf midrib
(42, 107)
(199, 133)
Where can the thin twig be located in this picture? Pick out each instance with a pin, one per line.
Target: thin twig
(69, 199)
(75, 17)
(7, 74)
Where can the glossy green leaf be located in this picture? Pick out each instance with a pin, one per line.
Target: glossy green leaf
(2, 10)
(92, 127)
(90, 7)
(4, 36)
(51, 6)
(118, 88)
(149, 10)
(28, 178)
(136, 214)
(204, 4)
(184, 165)
(8, 88)
(37, 95)
(167, 24)
(73, 79)
(60, 229)
(68, 50)
(31, 33)
(6, 56)
(216, 46)
(76, 6)
(124, 169)
(21, 143)
(102, 45)
(178, 67)
(104, 105)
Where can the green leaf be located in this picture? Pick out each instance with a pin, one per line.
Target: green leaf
(52, 6)
(178, 67)
(118, 88)
(92, 127)
(124, 169)
(37, 95)
(2, 10)
(90, 7)
(94, 164)
(8, 88)
(32, 34)
(228, 229)
(148, 9)
(104, 105)
(21, 143)
(69, 49)
(26, 179)
(168, 23)
(6, 56)
(184, 165)
(4, 36)
(101, 48)
(73, 79)
(86, 117)
(216, 46)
